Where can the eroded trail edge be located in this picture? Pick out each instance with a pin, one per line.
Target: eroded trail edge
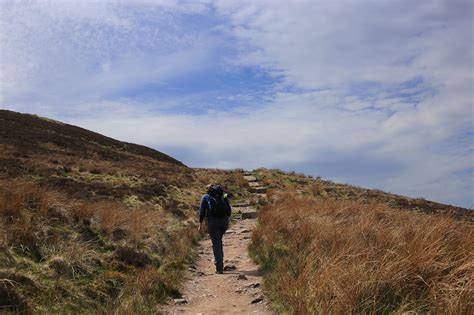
(238, 290)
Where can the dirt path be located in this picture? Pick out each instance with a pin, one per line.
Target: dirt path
(238, 290)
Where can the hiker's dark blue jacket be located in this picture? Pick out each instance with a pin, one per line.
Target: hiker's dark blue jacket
(204, 206)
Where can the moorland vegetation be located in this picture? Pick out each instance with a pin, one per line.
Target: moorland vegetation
(89, 224)
(332, 248)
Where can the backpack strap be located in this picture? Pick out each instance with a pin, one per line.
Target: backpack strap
(209, 204)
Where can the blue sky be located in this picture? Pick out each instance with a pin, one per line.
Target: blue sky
(372, 93)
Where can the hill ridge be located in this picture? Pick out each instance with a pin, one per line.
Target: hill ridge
(10, 119)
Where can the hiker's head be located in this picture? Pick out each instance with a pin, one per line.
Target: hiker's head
(209, 187)
(215, 190)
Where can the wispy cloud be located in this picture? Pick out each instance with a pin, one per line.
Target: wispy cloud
(372, 93)
(56, 51)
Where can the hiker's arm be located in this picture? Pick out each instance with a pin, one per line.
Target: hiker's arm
(202, 208)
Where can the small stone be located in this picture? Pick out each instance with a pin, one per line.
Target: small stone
(244, 231)
(230, 267)
(257, 300)
(180, 301)
(229, 232)
(242, 277)
(254, 285)
(249, 215)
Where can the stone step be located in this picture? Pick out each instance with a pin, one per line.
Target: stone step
(241, 205)
(258, 190)
(254, 184)
(250, 178)
(248, 174)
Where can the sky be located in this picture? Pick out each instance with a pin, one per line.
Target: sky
(377, 94)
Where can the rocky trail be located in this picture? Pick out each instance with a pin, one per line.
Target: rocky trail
(238, 290)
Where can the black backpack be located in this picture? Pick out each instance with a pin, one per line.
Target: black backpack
(218, 204)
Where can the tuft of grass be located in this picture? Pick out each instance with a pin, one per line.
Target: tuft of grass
(154, 285)
(331, 256)
(22, 207)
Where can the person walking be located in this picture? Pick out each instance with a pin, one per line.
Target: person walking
(216, 208)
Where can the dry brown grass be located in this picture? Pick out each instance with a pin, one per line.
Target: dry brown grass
(78, 247)
(113, 218)
(22, 207)
(151, 285)
(316, 187)
(328, 256)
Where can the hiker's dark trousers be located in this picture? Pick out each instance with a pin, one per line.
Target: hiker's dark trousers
(217, 228)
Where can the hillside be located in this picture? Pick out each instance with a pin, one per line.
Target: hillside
(330, 248)
(277, 180)
(89, 223)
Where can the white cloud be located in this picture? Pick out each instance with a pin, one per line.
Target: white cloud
(54, 51)
(373, 93)
(320, 43)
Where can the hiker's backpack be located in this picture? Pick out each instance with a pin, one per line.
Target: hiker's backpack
(218, 205)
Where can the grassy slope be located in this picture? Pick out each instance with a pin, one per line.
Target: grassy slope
(91, 224)
(327, 247)
(319, 188)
